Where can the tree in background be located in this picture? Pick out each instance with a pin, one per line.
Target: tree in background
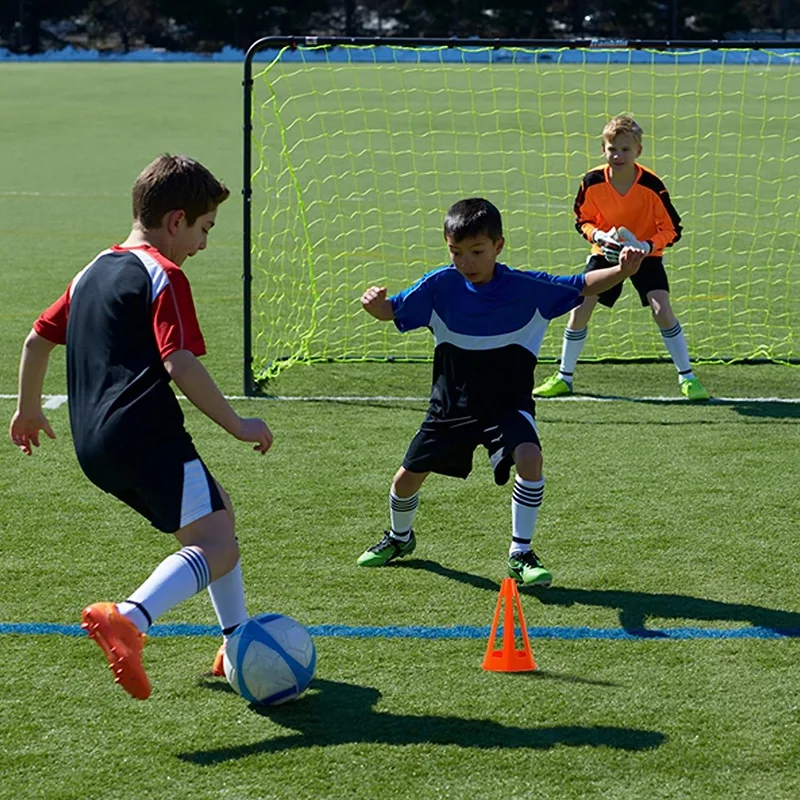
(32, 25)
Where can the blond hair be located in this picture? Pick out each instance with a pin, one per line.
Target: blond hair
(622, 125)
(175, 183)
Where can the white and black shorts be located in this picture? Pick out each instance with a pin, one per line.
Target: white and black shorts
(169, 492)
(446, 446)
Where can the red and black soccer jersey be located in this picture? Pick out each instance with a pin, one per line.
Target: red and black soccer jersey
(645, 209)
(119, 318)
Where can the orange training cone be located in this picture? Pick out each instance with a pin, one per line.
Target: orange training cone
(508, 658)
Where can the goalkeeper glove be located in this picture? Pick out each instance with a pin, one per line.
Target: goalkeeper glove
(609, 244)
(626, 237)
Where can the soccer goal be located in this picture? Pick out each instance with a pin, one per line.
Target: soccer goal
(355, 148)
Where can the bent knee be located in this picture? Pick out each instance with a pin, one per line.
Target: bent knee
(528, 461)
(214, 536)
(406, 483)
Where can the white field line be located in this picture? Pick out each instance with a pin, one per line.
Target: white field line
(52, 401)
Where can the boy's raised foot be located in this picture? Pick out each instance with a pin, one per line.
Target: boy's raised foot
(553, 387)
(386, 550)
(693, 390)
(122, 643)
(526, 569)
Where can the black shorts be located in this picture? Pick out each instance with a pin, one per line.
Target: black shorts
(446, 447)
(167, 491)
(650, 277)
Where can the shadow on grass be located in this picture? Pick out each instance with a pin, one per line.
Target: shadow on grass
(334, 713)
(764, 409)
(478, 581)
(773, 411)
(634, 608)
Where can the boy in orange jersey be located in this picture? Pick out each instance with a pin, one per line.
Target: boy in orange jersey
(129, 325)
(618, 204)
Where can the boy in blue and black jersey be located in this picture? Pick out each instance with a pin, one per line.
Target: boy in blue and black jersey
(488, 321)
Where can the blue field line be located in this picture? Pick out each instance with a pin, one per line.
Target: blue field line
(424, 632)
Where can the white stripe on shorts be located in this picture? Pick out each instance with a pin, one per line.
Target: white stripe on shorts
(528, 416)
(196, 499)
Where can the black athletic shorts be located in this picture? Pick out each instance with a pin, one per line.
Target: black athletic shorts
(447, 446)
(166, 490)
(650, 277)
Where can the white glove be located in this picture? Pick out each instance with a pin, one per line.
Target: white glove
(626, 237)
(609, 244)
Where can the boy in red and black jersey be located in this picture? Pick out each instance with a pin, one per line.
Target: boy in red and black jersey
(129, 325)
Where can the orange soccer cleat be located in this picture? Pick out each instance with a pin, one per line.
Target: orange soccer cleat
(218, 670)
(122, 643)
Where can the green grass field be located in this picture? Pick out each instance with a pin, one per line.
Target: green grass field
(668, 526)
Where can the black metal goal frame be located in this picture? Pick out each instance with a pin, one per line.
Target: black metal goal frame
(293, 42)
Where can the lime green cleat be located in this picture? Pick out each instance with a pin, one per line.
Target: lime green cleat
(526, 568)
(386, 550)
(693, 390)
(553, 387)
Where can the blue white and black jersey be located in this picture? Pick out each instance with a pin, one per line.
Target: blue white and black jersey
(487, 336)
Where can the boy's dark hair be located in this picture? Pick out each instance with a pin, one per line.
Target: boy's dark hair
(473, 217)
(175, 183)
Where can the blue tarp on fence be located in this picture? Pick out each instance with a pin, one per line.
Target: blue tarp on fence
(382, 54)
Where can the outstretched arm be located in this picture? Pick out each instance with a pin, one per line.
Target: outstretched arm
(28, 419)
(599, 280)
(193, 380)
(376, 303)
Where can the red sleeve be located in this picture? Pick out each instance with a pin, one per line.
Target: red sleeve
(174, 319)
(52, 323)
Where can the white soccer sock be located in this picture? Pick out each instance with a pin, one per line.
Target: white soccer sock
(401, 512)
(571, 347)
(675, 342)
(177, 578)
(526, 500)
(227, 597)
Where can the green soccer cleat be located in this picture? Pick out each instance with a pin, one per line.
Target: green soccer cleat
(526, 569)
(693, 390)
(553, 387)
(387, 549)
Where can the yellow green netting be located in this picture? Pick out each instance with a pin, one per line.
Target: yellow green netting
(359, 151)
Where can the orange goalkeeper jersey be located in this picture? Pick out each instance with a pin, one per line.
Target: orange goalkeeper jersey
(645, 209)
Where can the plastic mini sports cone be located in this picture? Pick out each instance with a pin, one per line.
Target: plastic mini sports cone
(508, 658)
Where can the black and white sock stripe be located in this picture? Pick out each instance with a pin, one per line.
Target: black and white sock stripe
(575, 336)
(671, 333)
(525, 496)
(199, 566)
(144, 611)
(403, 504)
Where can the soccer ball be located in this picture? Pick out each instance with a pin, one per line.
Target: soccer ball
(270, 659)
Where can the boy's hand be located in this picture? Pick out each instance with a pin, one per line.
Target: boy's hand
(24, 430)
(626, 237)
(630, 259)
(609, 244)
(375, 302)
(253, 429)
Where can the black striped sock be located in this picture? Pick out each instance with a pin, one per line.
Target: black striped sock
(194, 558)
(526, 498)
(402, 511)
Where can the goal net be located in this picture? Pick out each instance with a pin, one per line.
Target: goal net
(357, 151)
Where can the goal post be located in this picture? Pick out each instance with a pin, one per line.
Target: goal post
(355, 148)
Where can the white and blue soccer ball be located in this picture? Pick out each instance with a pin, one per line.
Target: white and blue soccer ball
(270, 659)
